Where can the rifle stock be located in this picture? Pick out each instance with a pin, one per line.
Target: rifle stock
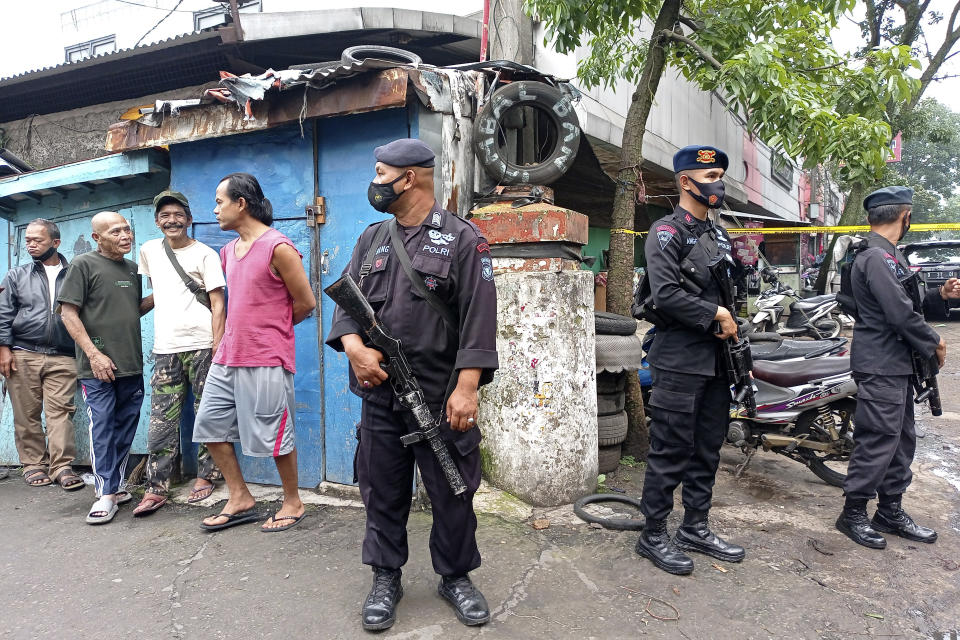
(346, 293)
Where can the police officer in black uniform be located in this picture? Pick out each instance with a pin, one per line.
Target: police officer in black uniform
(887, 331)
(452, 260)
(691, 396)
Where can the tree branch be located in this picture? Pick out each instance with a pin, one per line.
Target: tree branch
(700, 51)
(953, 35)
(874, 17)
(690, 23)
(812, 69)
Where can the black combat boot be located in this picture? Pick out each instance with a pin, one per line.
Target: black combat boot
(380, 607)
(655, 544)
(891, 518)
(467, 601)
(853, 522)
(695, 535)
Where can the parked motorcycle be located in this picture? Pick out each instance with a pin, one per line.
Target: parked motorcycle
(806, 399)
(813, 317)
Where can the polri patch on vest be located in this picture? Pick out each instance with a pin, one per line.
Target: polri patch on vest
(437, 251)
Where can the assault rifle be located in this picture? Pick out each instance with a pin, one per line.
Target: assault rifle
(925, 370)
(348, 297)
(737, 358)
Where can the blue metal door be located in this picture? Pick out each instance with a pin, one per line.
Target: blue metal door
(282, 161)
(345, 166)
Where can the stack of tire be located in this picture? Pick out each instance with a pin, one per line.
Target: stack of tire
(618, 350)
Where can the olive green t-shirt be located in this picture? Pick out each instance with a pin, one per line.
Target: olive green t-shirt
(108, 294)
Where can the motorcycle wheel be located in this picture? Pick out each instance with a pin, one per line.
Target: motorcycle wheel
(829, 467)
(829, 328)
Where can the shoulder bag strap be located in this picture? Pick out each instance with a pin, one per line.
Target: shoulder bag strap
(195, 288)
(367, 263)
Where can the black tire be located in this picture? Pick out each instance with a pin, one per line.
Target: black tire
(828, 328)
(548, 100)
(818, 462)
(608, 459)
(609, 404)
(611, 382)
(353, 55)
(613, 324)
(612, 429)
(619, 353)
(617, 524)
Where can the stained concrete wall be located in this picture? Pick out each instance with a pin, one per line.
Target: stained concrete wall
(54, 139)
(539, 414)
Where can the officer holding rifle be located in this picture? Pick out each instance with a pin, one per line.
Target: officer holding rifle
(691, 393)
(428, 275)
(889, 333)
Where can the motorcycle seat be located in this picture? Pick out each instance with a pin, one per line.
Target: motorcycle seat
(815, 301)
(791, 374)
(789, 349)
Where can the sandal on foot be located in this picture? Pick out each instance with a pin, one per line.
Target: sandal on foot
(275, 518)
(69, 480)
(233, 519)
(102, 511)
(37, 478)
(123, 496)
(150, 503)
(196, 495)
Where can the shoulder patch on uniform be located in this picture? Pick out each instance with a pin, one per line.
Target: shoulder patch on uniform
(891, 262)
(486, 267)
(665, 234)
(483, 246)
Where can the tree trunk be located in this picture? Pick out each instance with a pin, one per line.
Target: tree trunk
(620, 278)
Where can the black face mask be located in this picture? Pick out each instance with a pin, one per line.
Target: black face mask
(46, 254)
(711, 193)
(905, 226)
(382, 195)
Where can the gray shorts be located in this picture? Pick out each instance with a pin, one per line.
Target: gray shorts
(250, 405)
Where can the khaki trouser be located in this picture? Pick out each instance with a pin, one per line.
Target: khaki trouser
(43, 383)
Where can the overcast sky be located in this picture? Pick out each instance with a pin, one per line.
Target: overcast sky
(32, 35)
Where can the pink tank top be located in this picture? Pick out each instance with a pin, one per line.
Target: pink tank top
(259, 331)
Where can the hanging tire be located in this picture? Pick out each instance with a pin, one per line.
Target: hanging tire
(608, 459)
(609, 404)
(613, 324)
(829, 328)
(355, 55)
(546, 99)
(611, 382)
(612, 429)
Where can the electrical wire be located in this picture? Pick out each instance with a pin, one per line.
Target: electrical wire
(149, 6)
(169, 13)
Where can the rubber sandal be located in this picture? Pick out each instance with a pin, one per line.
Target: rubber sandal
(273, 516)
(123, 497)
(233, 519)
(106, 506)
(150, 503)
(44, 479)
(196, 495)
(69, 480)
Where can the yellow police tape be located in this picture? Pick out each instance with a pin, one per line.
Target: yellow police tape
(944, 226)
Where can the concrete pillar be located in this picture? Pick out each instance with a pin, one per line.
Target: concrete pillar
(539, 415)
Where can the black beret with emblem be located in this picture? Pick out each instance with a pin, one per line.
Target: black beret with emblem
(889, 195)
(405, 152)
(699, 156)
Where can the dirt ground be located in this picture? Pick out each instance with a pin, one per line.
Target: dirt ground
(161, 577)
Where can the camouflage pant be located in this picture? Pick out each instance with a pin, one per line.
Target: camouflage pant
(172, 372)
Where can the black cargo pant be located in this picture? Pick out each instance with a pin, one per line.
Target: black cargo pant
(884, 437)
(385, 474)
(689, 415)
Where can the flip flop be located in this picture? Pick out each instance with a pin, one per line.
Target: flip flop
(150, 503)
(42, 478)
(105, 506)
(69, 480)
(233, 519)
(273, 516)
(196, 495)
